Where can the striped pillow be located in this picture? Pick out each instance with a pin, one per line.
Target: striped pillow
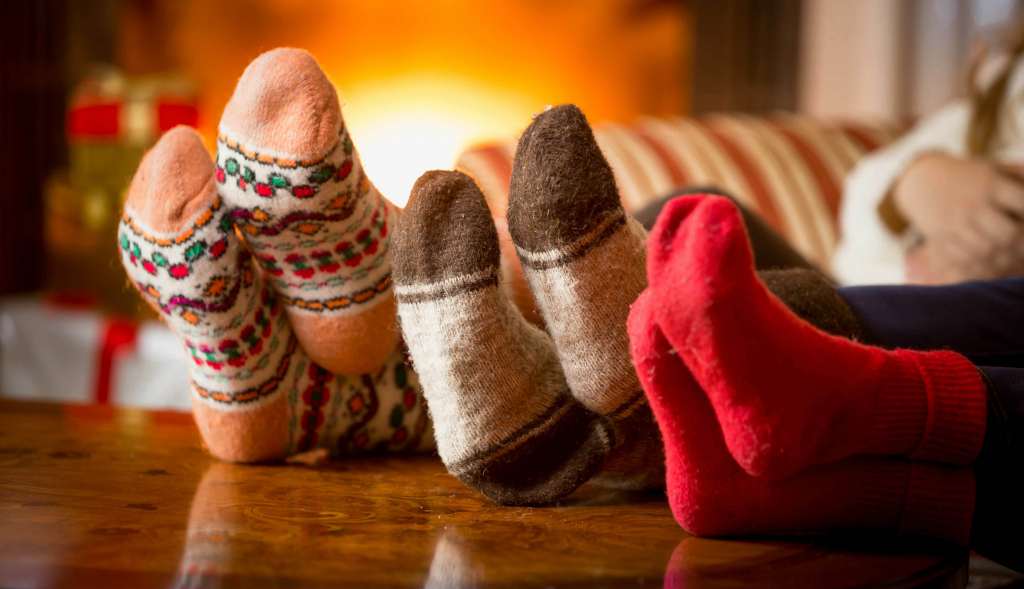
(789, 168)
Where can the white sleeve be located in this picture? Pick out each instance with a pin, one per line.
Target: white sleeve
(868, 253)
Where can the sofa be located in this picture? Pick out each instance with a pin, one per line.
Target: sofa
(788, 168)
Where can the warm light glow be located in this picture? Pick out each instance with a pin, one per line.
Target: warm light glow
(421, 81)
(405, 126)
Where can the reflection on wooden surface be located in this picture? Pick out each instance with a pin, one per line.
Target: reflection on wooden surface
(93, 497)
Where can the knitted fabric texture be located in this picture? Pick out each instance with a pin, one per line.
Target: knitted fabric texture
(788, 395)
(505, 421)
(710, 495)
(257, 395)
(813, 298)
(320, 231)
(583, 258)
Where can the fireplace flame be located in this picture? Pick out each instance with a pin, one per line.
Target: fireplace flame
(407, 125)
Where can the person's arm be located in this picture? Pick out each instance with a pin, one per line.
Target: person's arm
(870, 250)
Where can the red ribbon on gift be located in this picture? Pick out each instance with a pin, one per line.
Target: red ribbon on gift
(104, 120)
(117, 337)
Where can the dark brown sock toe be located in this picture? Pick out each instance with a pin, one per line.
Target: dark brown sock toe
(811, 295)
(446, 231)
(562, 188)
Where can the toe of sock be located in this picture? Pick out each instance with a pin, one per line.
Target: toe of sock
(446, 230)
(285, 104)
(562, 187)
(698, 241)
(174, 181)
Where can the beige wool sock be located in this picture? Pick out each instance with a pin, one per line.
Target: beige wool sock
(583, 258)
(505, 422)
(287, 168)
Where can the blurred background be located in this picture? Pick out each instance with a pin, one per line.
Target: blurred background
(88, 85)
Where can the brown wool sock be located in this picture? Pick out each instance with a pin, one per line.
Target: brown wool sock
(505, 421)
(813, 297)
(583, 257)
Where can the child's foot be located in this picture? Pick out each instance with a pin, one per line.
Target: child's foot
(583, 257)
(786, 394)
(505, 421)
(710, 494)
(256, 395)
(287, 169)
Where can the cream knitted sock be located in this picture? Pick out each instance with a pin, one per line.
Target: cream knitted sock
(287, 168)
(256, 394)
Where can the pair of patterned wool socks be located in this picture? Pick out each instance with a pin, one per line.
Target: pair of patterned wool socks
(299, 352)
(773, 426)
(523, 415)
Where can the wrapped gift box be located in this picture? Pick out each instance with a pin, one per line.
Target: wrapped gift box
(54, 351)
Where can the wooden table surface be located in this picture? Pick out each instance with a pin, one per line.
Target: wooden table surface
(99, 497)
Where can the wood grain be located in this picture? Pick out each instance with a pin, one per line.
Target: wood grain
(98, 497)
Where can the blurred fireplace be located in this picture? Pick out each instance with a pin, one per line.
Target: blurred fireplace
(421, 80)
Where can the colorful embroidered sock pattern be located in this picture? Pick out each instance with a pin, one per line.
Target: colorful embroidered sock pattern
(583, 258)
(786, 394)
(505, 421)
(287, 168)
(710, 495)
(256, 394)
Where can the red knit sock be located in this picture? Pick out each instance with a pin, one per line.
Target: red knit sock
(710, 494)
(786, 394)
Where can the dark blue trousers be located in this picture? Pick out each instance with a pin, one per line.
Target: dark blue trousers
(982, 320)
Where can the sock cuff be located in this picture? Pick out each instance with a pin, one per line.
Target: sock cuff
(939, 503)
(957, 408)
(931, 407)
(901, 409)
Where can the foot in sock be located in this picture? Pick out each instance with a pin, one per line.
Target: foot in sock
(710, 495)
(583, 258)
(505, 421)
(256, 394)
(786, 394)
(287, 168)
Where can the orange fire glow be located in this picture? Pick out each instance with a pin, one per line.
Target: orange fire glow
(421, 81)
(407, 125)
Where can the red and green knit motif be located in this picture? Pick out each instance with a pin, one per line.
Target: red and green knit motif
(363, 409)
(268, 187)
(176, 269)
(349, 254)
(230, 351)
(315, 396)
(409, 396)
